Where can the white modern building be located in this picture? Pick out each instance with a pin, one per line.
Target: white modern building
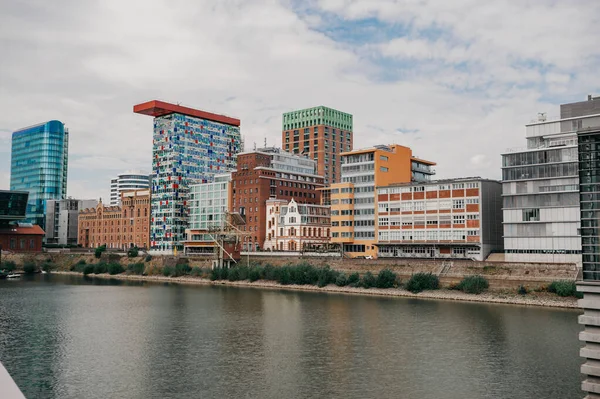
(296, 227)
(540, 188)
(130, 180)
(62, 218)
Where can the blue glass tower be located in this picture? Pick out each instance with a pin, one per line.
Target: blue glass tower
(39, 161)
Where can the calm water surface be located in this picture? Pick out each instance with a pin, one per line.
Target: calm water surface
(66, 337)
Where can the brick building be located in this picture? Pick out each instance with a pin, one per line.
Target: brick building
(270, 173)
(119, 227)
(320, 133)
(458, 218)
(21, 238)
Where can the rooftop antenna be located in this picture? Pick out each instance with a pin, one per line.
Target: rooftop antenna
(255, 146)
(265, 142)
(541, 117)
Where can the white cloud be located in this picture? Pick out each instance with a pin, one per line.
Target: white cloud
(467, 92)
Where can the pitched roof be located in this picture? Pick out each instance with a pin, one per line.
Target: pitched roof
(22, 230)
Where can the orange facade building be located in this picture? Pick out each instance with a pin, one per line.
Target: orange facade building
(354, 206)
(120, 227)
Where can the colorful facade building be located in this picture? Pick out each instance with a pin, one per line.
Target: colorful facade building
(189, 147)
(118, 227)
(458, 218)
(320, 133)
(354, 199)
(296, 227)
(270, 173)
(39, 163)
(209, 206)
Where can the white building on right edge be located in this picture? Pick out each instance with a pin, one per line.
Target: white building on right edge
(540, 188)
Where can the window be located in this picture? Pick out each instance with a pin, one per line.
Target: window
(458, 186)
(458, 219)
(383, 169)
(472, 185)
(531, 215)
(458, 204)
(472, 200)
(383, 158)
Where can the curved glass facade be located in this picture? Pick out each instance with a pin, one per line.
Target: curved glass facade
(39, 162)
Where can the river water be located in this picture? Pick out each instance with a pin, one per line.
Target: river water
(70, 337)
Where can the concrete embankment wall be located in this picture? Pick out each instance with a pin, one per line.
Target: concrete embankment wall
(501, 275)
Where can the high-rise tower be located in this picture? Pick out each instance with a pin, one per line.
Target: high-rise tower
(321, 134)
(39, 161)
(189, 147)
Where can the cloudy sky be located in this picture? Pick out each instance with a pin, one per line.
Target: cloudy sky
(454, 80)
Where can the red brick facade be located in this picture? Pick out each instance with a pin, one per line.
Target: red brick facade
(120, 227)
(254, 182)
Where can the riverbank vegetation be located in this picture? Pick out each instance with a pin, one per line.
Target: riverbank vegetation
(473, 285)
(422, 281)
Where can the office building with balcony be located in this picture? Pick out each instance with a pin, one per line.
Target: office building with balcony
(62, 218)
(540, 188)
(209, 206)
(320, 133)
(354, 200)
(270, 173)
(296, 227)
(39, 163)
(130, 180)
(457, 218)
(189, 147)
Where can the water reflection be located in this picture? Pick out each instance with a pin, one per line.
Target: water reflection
(70, 337)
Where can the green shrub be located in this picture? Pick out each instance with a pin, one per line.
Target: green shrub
(167, 271)
(354, 280)
(421, 282)
(368, 280)
(133, 252)
(115, 268)
(78, 267)
(326, 276)
(136, 268)
(522, 290)
(48, 266)
(563, 288)
(196, 271)
(148, 258)
(341, 280)
(386, 279)
(242, 272)
(88, 269)
(100, 268)
(29, 268)
(98, 251)
(233, 274)
(9, 265)
(473, 284)
(254, 274)
(219, 273)
(181, 269)
(285, 276)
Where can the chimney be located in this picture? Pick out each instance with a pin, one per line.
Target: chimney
(589, 97)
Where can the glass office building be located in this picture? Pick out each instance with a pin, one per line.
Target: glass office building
(39, 161)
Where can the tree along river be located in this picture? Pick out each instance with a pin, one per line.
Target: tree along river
(73, 337)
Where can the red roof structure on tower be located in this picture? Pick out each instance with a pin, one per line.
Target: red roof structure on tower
(160, 108)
